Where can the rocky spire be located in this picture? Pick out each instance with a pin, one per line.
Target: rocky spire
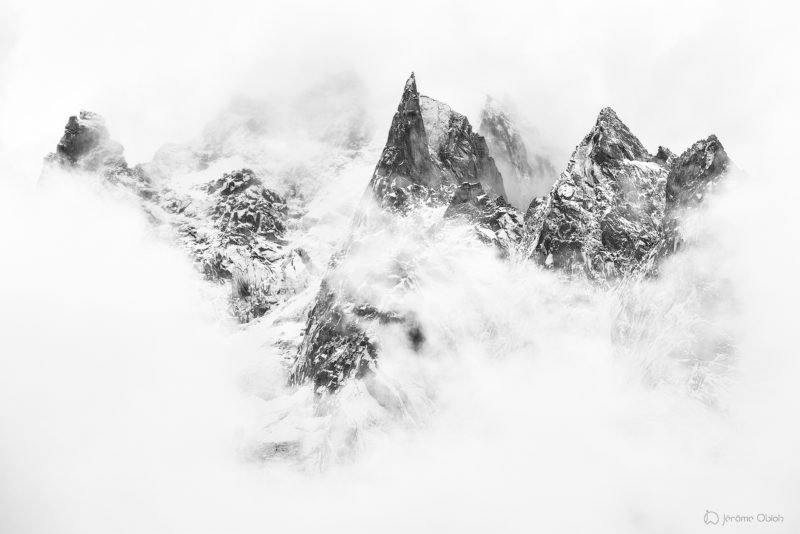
(87, 146)
(604, 212)
(86, 143)
(431, 155)
(430, 151)
(612, 140)
(405, 160)
(408, 136)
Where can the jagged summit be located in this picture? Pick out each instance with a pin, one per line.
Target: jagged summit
(431, 150)
(87, 146)
(614, 211)
(86, 142)
(604, 212)
(616, 207)
(607, 113)
(233, 227)
(692, 176)
(613, 140)
(405, 161)
(411, 83)
(694, 171)
(431, 156)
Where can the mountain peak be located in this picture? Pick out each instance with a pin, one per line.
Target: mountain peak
(405, 159)
(411, 83)
(695, 172)
(612, 140)
(607, 113)
(86, 141)
(431, 146)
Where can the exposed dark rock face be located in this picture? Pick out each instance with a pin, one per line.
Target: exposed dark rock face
(405, 165)
(86, 142)
(431, 154)
(459, 154)
(430, 150)
(524, 173)
(693, 175)
(245, 207)
(617, 209)
(87, 146)
(233, 227)
(496, 222)
(336, 345)
(604, 212)
(236, 233)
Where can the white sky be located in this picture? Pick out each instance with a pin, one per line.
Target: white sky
(158, 71)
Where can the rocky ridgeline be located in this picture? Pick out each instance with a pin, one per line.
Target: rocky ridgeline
(431, 158)
(616, 207)
(233, 227)
(524, 172)
(604, 212)
(87, 146)
(612, 213)
(693, 175)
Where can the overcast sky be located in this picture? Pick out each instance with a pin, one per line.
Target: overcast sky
(158, 71)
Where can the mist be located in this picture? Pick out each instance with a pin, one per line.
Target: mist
(131, 402)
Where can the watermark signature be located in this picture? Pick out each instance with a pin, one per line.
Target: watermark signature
(713, 518)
